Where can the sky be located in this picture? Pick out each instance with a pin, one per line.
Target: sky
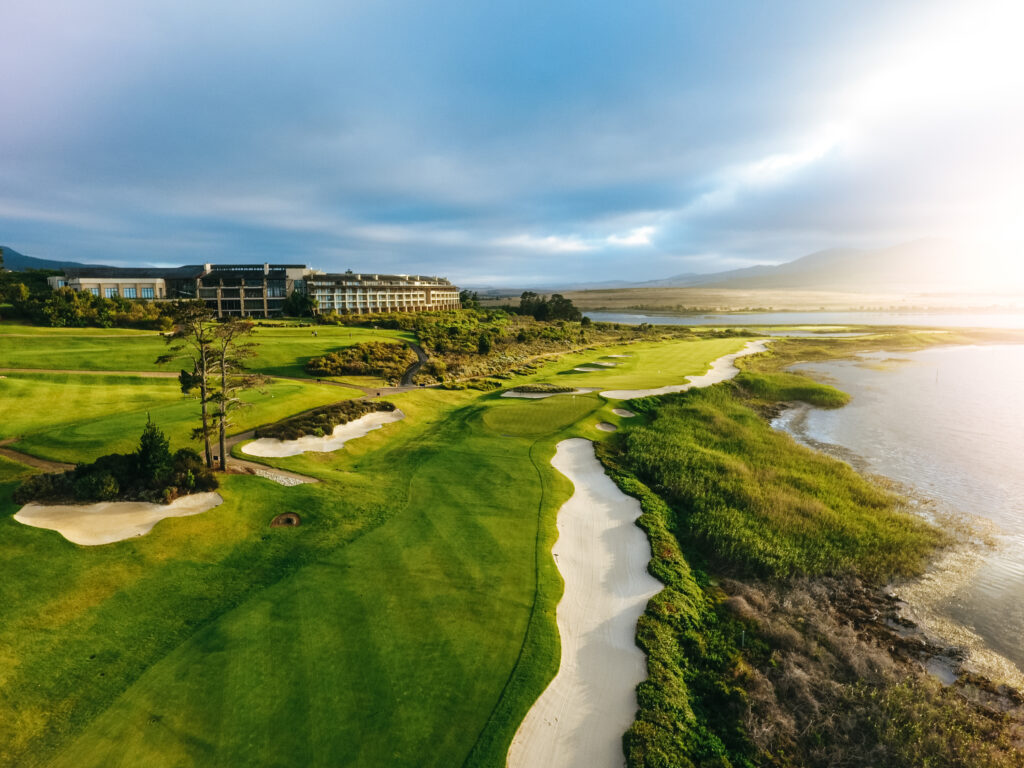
(506, 143)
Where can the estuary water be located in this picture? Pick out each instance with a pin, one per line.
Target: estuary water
(949, 423)
(929, 319)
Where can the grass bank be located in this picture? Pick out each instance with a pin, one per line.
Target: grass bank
(769, 644)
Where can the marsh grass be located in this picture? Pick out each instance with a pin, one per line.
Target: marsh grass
(755, 502)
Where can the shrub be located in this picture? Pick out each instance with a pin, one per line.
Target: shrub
(543, 387)
(149, 474)
(374, 358)
(322, 421)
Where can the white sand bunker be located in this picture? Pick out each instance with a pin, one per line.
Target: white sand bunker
(722, 369)
(606, 365)
(604, 426)
(587, 369)
(109, 521)
(542, 395)
(623, 413)
(618, 355)
(272, 448)
(579, 720)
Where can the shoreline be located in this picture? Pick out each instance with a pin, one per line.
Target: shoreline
(946, 571)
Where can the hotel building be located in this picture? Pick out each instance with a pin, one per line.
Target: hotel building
(260, 290)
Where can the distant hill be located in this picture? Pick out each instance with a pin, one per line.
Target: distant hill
(921, 266)
(18, 261)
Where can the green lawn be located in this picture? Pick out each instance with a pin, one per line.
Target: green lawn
(66, 417)
(408, 622)
(648, 365)
(282, 350)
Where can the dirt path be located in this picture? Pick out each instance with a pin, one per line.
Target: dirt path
(414, 368)
(32, 461)
(146, 374)
(579, 720)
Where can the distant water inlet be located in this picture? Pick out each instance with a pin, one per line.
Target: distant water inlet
(948, 422)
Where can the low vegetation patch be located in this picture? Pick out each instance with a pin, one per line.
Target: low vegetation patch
(543, 387)
(761, 504)
(373, 358)
(152, 473)
(782, 387)
(495, 343)
(322, 421)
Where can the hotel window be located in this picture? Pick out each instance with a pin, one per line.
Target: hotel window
(110, 292)
(62, 283)
(94, 291)
(129, 293)
(147, 293)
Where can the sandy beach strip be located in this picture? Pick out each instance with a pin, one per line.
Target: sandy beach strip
(579, 720)
(272, 448)
(722, 369)
(110, 521)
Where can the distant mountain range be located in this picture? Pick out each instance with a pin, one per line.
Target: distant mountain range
(921, 266)
(19, 261)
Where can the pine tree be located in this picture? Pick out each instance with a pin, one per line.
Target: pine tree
(192, 339)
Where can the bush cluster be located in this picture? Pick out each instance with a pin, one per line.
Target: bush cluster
(543, 387)
(32, 300)
(387, 360)
(152, 473)
(322, 421)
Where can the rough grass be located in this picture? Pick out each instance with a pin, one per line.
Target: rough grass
(783, 387)
(761, 504)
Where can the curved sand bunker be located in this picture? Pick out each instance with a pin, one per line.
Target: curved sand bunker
(623, 413)
(588, 369)
(722, 369)
(110, 521)
(272, 448)
(542, 395)
(604, 426)
(579, 720)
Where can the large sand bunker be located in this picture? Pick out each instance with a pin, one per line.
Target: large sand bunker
(109, 521)
(272, 448)
(722, 369)
(579, 720)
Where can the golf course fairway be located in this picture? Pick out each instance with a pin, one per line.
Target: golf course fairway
(409, 621)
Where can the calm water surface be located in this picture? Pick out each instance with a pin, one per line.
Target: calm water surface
(948, 421)
(944, 320)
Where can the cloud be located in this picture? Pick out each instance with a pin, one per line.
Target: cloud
(481, 139)
(548, 244)
(635, 237)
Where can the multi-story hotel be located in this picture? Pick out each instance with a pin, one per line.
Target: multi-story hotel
(360, 293)
(259, 290)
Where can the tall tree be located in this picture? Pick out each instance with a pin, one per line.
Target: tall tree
(192, 338)
(231, 351)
